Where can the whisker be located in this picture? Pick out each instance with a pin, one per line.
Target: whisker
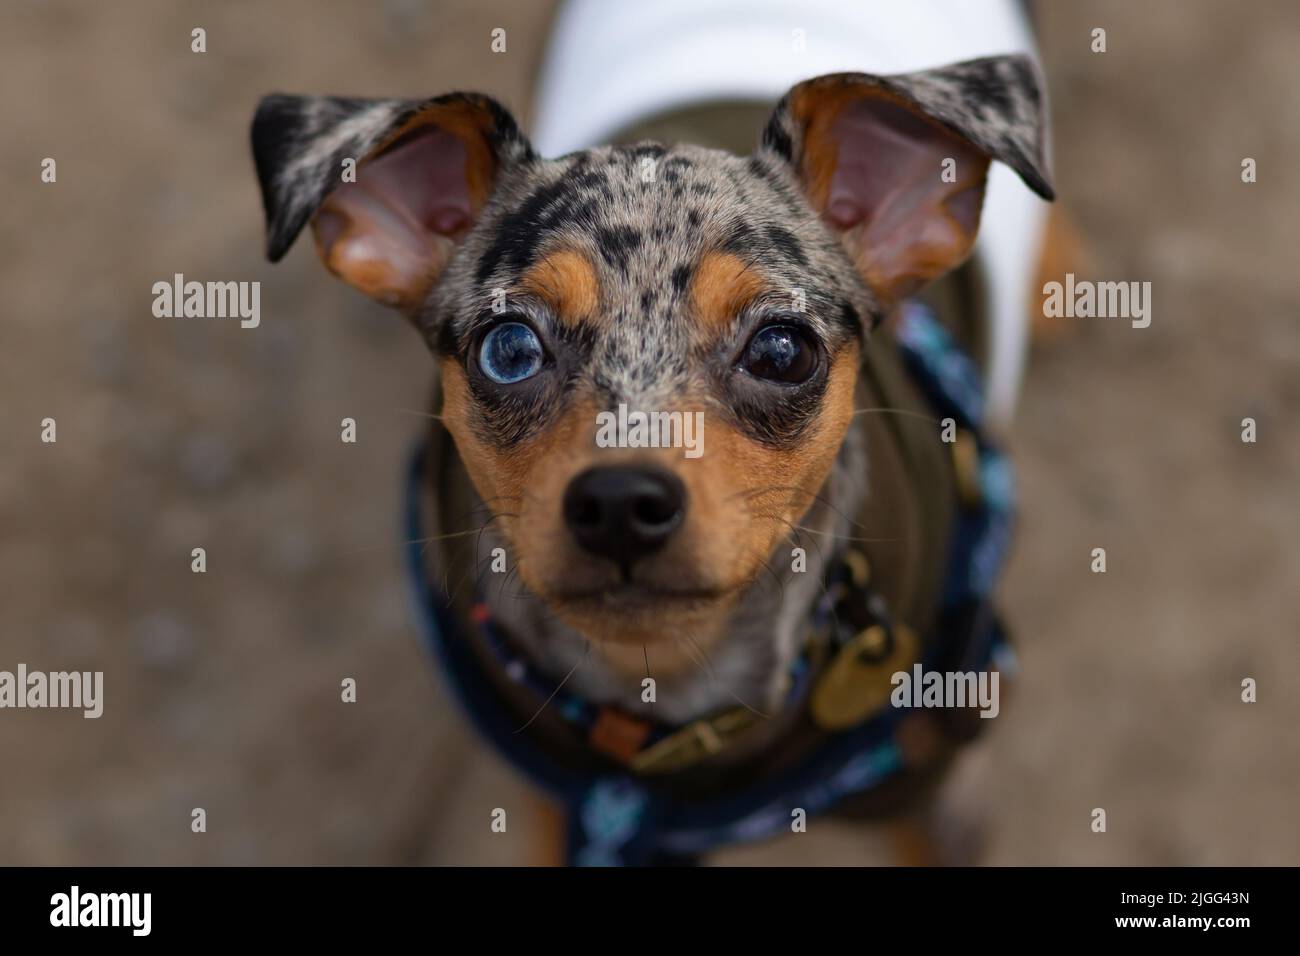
(762, 515)
(755, 492)
(697, 661)
(424, 541)
(485, 504)
(897, 411)
(847, 537)
(412, 411)
(828, 534)
(506, 579)
(708, 671)
(461, 534)
(585, 654)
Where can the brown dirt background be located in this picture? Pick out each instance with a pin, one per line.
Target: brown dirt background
(223, 689)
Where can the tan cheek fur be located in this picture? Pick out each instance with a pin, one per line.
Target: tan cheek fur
(566, 281)
(746, 495)
(731, 529)
(722, 285)
(526, 481)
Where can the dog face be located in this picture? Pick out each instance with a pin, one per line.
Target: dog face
(679, 280)
(728, 291)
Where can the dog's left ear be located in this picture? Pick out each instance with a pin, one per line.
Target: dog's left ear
(390, 186)
(896, 165)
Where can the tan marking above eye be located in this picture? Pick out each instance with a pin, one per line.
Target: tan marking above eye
(721, 286)
(566, 281)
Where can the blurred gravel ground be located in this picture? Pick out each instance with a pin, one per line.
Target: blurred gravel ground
(223, 689)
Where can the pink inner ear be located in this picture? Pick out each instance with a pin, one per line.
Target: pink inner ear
(425, 178)
(887, 186)
(387, 232)
(878, 166)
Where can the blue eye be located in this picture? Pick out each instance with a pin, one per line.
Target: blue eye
(509, 353)
(780, 353)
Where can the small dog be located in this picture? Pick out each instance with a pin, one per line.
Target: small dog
(688, 650)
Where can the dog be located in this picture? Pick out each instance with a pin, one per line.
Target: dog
(689, 650)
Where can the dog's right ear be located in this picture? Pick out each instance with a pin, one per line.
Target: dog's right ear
(423, 171)
(896, 165)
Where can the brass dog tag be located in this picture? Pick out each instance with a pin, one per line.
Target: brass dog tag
(857, 683)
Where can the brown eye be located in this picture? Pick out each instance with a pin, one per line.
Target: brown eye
(780, 353)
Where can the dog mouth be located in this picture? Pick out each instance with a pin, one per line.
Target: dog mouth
(639, 598)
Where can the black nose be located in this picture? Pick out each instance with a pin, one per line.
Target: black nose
(624, 513)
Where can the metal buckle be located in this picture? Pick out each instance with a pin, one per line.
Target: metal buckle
(859, 679)
(693, 743)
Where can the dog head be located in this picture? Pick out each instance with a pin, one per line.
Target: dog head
(681, 284)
